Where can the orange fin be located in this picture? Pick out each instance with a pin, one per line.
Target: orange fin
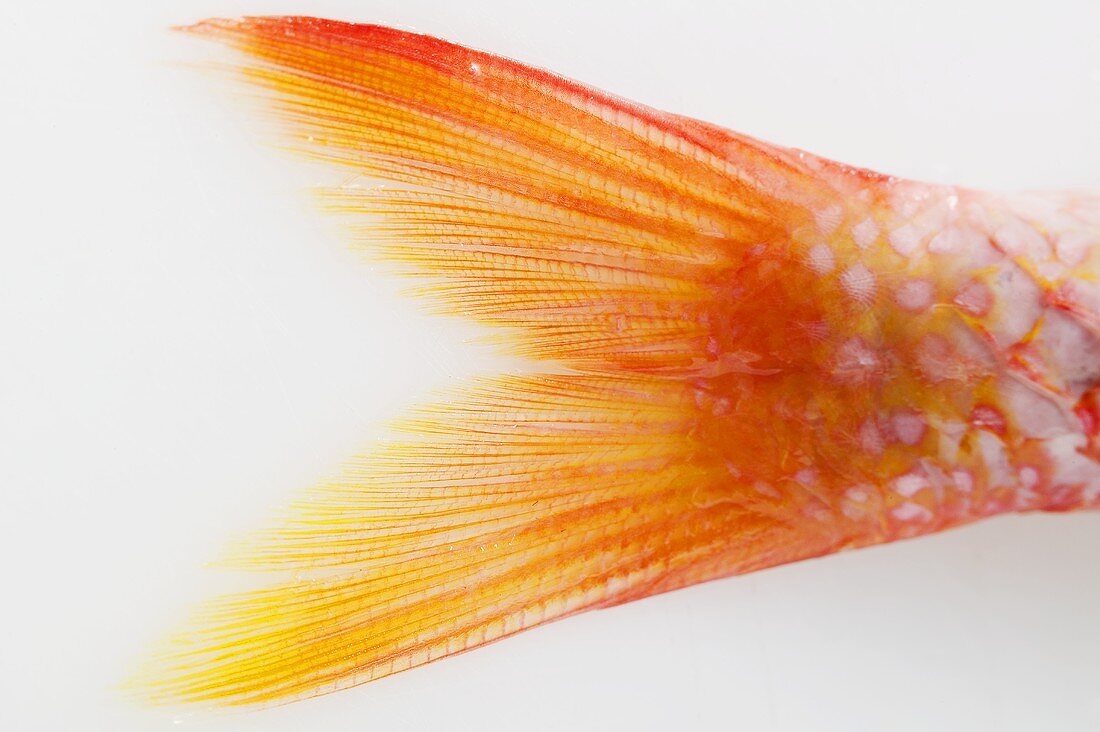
(598, 228)
(530, 499)
(599, 232)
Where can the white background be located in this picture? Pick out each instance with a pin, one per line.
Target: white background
(185, 342)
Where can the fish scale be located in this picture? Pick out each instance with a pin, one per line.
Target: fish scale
(980, 304)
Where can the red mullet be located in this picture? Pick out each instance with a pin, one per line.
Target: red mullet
(757, 356)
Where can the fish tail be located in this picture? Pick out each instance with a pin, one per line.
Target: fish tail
(634, 252)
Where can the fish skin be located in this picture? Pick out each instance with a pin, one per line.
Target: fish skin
(764, 356)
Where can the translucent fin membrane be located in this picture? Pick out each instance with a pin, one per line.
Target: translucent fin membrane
(600, 227)
(531, 499)
(599, 232)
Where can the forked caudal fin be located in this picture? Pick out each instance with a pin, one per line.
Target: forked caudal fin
(763, 356)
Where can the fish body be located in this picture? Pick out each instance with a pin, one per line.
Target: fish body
(749, 355)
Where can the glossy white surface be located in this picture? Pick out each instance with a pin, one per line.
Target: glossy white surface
(186, 342)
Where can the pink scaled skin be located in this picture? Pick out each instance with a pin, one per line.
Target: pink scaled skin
(990, 305)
